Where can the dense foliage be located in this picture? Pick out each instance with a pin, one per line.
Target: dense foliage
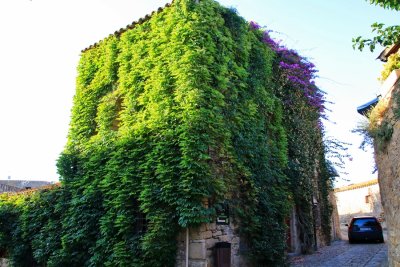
(392, 63)
(388, 4)
(377, 130)
(193, 104)
(310, 176)
(385, 36)
(30, 224)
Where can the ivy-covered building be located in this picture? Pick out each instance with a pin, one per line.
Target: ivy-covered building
(191, 130)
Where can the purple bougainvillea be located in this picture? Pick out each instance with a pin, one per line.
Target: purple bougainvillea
(296, 70)
(254, 25)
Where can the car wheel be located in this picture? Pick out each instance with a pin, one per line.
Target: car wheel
(351, 241)
(381, 240)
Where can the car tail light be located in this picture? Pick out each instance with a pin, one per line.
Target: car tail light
(351, 225)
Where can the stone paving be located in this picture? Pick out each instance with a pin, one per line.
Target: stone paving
(341, 253)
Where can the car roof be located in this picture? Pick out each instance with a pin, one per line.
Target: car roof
(364, 217)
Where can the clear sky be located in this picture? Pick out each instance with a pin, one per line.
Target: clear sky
(41, 42)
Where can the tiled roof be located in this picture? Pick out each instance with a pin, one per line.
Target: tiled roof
(8, 188)
(23, 184)
(356, 186)
(29, 191)
(131, 26)
(383, 56)
(364, 109)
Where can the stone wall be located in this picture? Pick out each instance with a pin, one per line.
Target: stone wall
(362, 199)
(294, 243)
(388, 162)
(335, 222)
(202, 241)
(24, 184)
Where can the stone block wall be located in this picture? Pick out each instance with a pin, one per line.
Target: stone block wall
(388, 162)
(353, 201)
(202, 241)
(361, 199)
(335, 222)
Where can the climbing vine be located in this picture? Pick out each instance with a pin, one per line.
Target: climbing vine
(304, 107)
(189, 105)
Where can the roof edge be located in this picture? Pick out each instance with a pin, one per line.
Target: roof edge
(129, 26)
(356, 186)
(383, 56)
(33, 190)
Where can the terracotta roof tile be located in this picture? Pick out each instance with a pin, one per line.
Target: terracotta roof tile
(32, 190)
(356, 186)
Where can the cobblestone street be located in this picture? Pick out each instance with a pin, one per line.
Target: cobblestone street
(343, 254)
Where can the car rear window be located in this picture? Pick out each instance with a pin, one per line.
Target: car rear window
(365, 222)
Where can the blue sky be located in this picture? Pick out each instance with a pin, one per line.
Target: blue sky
(42, 40)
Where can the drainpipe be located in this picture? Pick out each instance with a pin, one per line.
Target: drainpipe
(187, 248)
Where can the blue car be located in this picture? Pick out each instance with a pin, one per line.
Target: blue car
(365, 229)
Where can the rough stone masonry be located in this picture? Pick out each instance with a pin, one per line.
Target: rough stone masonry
(202, 245)
(388, 163)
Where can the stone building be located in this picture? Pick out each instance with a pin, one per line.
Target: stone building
(203, 243)
(135, 89)
(201, 246)
(293, 240)
(386, 137)
(358, 199)
(335, 221)
(387, 159)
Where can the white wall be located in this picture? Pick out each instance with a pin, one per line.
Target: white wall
(353, 202)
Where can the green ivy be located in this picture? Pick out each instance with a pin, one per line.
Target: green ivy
(184, 107)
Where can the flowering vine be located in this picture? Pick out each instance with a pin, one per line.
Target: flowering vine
(304, 107)
(296, 70)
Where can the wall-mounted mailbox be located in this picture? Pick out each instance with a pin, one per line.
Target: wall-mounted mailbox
(223, 215)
